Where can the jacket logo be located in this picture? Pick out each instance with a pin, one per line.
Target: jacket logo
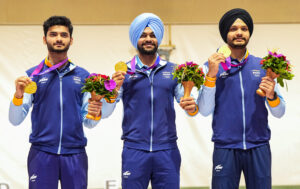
(256, 73)
(133, 76)
(166, 74)
(77, 79)
(218, 168)
(223, 75)
(33, 178)
(126, 174)
(43, 80)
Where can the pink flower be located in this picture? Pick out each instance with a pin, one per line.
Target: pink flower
(93, 74)
(180, 66)
(270, 53)
(279, 55)
(110, 85)
(189, 63)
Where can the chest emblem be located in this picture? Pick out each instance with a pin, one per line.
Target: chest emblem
(133, 76)
(256, 73)
(167, 74)
(224, 75)
(76, 79)
(43, 80)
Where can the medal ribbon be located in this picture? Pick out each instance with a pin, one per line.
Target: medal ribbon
(227, 64)
(37, 70)
(132, 63)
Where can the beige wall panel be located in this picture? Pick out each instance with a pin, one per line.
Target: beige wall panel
(123, 11)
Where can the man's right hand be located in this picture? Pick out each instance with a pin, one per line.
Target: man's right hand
(21, 83)
(213, 64)
(119, 77)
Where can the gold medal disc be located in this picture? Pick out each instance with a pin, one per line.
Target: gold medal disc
(31, 88)
(121, 66)
(225, 51)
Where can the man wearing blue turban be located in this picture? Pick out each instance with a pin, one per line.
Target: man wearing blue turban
(141, 22)
(147, 90)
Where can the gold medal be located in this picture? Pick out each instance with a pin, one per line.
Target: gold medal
(225, 51)
(121, 66)
(31, 88)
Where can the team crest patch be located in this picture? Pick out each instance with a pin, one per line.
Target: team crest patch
(224, 75)
(133, 76)
(167, 74)
(256, 73)
(76, 80)
(43, 80)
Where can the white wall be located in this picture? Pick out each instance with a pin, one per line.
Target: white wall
(98, 48)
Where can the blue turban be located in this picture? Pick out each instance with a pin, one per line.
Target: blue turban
(141, 22)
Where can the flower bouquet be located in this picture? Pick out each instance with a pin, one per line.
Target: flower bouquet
(277, 67)
(189, 75)
(100, 86)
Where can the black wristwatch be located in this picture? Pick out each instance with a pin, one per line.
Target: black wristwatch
(274, 98)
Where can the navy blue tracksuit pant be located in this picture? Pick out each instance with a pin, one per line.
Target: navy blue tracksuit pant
(229, 163)
(45, 169)
(160, 167)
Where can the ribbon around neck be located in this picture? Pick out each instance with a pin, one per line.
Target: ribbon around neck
(38, 69)
(227, 64)
(132, 64)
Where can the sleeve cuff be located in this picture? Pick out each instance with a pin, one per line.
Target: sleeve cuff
(195, 112)
(98, 118)
(210, 81)
(17, 101)
(112, 99)
(274, 103)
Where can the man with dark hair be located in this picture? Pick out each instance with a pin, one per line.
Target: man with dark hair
(58, 20)
(240, 117)
(59, 109)
(150, 150)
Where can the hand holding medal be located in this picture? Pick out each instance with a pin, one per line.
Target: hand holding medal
(24, 84)
(119, 76)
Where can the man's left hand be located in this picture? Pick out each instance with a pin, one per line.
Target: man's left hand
(268, 85)
(188, 104)
(94, 108)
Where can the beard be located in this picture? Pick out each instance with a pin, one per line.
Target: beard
(143, 51)
(239, 45)
(51, 48)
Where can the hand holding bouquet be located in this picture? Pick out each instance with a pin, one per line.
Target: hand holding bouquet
(189, 75)
(277, 67)
(99, 86)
